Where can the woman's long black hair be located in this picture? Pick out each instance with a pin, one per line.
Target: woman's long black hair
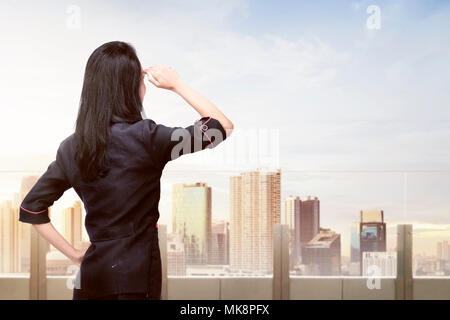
(111, 89)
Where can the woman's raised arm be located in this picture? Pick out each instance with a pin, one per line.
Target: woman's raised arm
(165, 77)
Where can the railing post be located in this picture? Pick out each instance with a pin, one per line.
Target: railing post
(285, 262)
(38, 266)
(404, 281)
(162, 239)
(280, 285)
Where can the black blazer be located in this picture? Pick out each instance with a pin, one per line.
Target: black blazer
(121, 207)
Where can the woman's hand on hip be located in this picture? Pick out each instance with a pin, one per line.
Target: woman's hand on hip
(78, 256)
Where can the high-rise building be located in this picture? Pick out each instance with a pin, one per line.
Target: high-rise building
(382, 264)
(309, 221)
(372, 232)
(445, 251)
(354, 243)
(176, 264)
(292, 206)
(73, 224)
(291, 209)
(191, 219)
(439, 251)
(448, 252)
(254, 209)
(322, 254)
(219, 249)
(9, 240)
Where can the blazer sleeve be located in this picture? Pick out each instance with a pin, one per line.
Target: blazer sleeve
(49, 188)
(168, 143)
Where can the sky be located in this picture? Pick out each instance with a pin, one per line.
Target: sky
(354, 115)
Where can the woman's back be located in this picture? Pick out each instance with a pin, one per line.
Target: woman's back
(122, 206)
(114, 161)
(130, 188)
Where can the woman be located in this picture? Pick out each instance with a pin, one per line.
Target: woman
(114, 161)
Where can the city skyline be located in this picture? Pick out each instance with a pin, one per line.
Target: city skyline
(72, 227)
(426, 233)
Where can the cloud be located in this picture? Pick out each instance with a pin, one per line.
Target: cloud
(269, 61)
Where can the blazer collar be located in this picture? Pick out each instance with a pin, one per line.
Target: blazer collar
(117, 119)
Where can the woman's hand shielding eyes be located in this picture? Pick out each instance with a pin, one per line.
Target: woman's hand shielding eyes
(163, 77)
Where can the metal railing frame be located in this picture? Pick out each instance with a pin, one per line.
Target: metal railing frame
(280, 277)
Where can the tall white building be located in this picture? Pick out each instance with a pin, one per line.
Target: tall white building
(291, 209)
(443, 251)
(254, 209)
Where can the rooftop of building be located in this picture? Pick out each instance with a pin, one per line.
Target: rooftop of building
(374, 215)
(323, 239)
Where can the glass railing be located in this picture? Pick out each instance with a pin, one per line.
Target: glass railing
(326, 234)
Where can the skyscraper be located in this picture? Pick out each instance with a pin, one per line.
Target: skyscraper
(219, 249)
(291, 209)
(309, 221)
(73, 224)
(176, 263)
(292, 205)
(439, 251)
(445, 251)
(9, 240)
(191, 219)
(354, 243)
(372, 232)
(254, 209)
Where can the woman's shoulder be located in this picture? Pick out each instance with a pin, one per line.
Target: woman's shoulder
(67, 143)
(152, 129)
